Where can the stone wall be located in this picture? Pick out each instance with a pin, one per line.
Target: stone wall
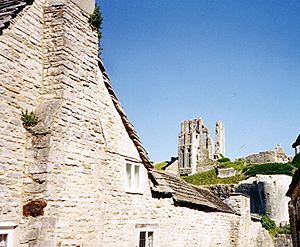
(226, 172)
(273, 156)
(21, 69)
(283, 240)
(74, 161)
(267, 193)
(220, 140)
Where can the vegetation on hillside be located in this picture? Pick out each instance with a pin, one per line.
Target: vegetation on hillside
(270, 169)
(210, 177)
(274, 230)
(161, 165)
(244, 171)
(296, 160)
(223, 159)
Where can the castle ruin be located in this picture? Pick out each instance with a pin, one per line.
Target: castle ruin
(195, 146)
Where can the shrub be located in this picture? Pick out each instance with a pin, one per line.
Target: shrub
(223, 159)
(296, 160)
(29, 119)
(267, 223)
(268, 169)
(96, 20)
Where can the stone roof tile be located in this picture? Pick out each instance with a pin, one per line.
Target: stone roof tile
(186, 194)
(9, 9)
(128, 126)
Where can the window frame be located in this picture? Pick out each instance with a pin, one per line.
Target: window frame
(133, 183)
(8, 228)
(147, 231)
(148, 227)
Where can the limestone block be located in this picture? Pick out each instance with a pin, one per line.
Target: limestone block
(226, 172)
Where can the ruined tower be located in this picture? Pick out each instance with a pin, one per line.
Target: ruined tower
(220, 140)
(194, 146)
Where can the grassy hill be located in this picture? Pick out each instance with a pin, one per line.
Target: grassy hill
(244, 171)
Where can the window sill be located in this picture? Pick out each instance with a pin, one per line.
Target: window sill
(133, 192)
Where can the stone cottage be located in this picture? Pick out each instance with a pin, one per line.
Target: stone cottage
(294, 208)
(294, 204)
(80, 177)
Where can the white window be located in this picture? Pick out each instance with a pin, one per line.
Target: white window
(146, 239)
(3, 240)
(7, 232)
(133, 177)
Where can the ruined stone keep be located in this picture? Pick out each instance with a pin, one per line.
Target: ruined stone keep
(195, 146)
(80, 176)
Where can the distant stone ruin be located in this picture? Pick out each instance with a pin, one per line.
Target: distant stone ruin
(195, 146)
(220, 140)
(277, 155)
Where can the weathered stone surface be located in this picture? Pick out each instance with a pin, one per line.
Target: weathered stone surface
(273, 156)
(34, 208)
(195, 146)
(226, 172)
(220, 140)
(283, 240)
(267, 193)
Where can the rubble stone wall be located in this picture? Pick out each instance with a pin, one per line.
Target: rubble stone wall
(21, 81)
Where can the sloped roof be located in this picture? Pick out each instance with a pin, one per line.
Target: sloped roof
(185, 194)
(9, 9)
(128, 126)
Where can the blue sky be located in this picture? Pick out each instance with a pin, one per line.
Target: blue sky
(234, 61)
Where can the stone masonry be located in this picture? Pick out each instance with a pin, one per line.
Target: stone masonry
(273, 156)
(62, 182)
(195, 146)
(220, 140)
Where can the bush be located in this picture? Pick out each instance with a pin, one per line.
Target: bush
(29, 119)
(223, 159)
(269, 169)
(296, 160)
(267, 223)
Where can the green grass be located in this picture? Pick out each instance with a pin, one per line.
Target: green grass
(244, 170)
(210, 177)
(159, 166)
(237, 165)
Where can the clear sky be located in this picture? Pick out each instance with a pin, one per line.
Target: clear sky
(234, 61)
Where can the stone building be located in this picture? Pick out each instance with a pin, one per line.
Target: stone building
(195, 146)
(267, 196)
(294, 208)
(294, 204)
(81, 177)
(296, 145)
(277, 155)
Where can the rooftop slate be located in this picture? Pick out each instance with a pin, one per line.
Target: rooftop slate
(9, 9)
(186, 194)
